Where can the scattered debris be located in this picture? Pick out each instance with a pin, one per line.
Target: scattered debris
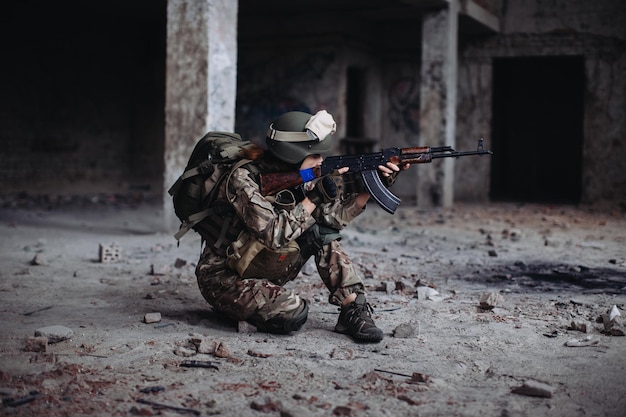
(110, 253)
(388, 287)
(587, 341)
(343, 411)
(36, 344)
(159, 269)
(159, 406)
(614, 313)
(490, 300)
(342, 353)
(54, 334)
(184, 352)
(268, 407)
(537, 295)
(222, 351)
(14, 402)
(578, 327)
(245, 327)
(256, 354)
(179, 263)
(405, 287)
(202, 345)
(199, 364)
(408, 400)
(421, 283)
(152, 390)
(534, 388)
(152, 318)
(514, 234)
(416, 377)
(611, 322)
(592, 245)
(30, 313)
(406, 330)
(427, 293)
(38, 260)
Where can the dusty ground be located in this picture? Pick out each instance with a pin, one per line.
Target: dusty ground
(554, 267)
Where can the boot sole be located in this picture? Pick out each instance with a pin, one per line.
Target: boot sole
(361, 337)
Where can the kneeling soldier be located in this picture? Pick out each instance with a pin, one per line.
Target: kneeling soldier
(244, 279)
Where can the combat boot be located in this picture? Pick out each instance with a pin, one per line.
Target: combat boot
(355, 319)
(283, 323)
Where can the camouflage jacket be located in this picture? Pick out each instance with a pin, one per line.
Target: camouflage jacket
(275, 226)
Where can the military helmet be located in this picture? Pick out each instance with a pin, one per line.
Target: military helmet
(296, 135)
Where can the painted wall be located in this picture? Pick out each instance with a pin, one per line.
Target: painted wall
(272, 80)
(307, 72)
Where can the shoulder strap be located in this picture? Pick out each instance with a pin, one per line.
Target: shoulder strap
(228, 219)
(189, 173)
(236, 166)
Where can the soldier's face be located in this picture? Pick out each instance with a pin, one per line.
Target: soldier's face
(312, 161)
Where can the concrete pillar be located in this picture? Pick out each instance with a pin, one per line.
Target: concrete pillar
(438, 103)
(201, 78)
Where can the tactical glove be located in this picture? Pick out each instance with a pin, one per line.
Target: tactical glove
(324, 191)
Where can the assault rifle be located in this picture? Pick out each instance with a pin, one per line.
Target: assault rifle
(367, 165)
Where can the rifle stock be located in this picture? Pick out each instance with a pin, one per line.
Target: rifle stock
(367, 165)
(274, 182)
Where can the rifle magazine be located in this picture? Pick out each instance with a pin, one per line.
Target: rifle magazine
(385, 198)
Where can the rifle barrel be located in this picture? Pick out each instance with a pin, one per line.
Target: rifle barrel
(456, 154)
(442, 149)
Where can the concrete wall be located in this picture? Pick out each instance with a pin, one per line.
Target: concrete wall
(81, 102)
(84, 106)
(595, 30)
(286, 71)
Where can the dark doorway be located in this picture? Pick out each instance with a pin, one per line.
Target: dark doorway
(355, 102)
(537, 129)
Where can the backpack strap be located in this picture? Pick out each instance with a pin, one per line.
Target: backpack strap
(192, 172)
(230, 173)
(228, 219)
(191, 222)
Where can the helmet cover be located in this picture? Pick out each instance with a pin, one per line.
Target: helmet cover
(295, 135)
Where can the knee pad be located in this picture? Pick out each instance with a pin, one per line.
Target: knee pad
(284, 323)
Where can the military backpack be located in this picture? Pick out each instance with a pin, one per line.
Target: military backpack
(195, 192)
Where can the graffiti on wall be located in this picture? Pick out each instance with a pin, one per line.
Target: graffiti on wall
(277, 85)
(404, 104)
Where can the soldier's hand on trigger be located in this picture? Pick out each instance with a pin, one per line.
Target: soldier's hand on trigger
(389, 172)
(390, 168)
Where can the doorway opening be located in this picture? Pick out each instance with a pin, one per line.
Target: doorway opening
(356, 93)
(538, 107)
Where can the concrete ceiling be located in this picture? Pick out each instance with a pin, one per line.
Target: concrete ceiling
(386, 12)
(367, 9)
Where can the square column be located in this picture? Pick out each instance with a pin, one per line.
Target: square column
(435, 183)
(201, 81)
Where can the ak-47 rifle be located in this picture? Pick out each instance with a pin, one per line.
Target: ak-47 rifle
(367, 165)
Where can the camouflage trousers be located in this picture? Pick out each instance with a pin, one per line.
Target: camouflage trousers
(263, 299)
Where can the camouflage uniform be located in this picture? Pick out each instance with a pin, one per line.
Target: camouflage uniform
(259, 298)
